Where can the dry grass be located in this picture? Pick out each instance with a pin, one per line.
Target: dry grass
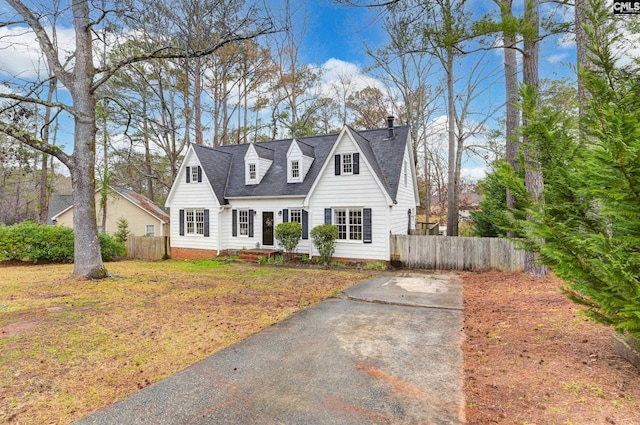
(68, 347)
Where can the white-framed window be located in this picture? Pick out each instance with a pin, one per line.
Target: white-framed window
(194, 174)
(243, 222)
(349, 223)
(253, 175)
(295, 215)
(295, 169)
(150, 230)
(194, 220)
(347, 163)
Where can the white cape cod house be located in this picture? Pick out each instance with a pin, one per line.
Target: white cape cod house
(231, 197)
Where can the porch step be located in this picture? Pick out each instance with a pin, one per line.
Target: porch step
(253, 255)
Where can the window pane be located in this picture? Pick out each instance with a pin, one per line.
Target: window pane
(296, 215)
(295, 169)
(150, 230)
(194, 174)
(243, 222)
(252, 171)
(347, 164)
(340, 220)
(355, 225)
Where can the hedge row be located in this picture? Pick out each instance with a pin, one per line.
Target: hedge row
(38, 243)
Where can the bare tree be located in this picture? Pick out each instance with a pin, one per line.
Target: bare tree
(82, 79)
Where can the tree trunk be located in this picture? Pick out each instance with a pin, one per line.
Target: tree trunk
(452, 190)
(511, 88)
(147, 150)
(197, 100)
(533, 170)
(87, 254)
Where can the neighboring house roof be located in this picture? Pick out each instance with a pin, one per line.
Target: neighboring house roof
(58, 204)
(143, 202)
(64, 203)
(224, 165)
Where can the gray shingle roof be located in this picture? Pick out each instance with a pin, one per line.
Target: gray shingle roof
(224, 165)
(58, 204)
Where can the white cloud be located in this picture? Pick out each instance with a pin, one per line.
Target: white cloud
(557, 58)
(335, 70)
(473, 173)
(21, 54)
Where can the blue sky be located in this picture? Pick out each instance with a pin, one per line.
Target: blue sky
(340, 32)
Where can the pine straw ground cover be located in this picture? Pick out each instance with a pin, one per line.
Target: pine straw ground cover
(532, 358)
(69, 347)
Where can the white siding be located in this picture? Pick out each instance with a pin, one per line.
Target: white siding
(359, 191)
(275, 205)
(405, 199)
(193, 195)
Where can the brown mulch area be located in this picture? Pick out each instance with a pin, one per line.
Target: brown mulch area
(532, 358)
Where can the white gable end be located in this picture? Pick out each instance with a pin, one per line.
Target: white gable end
(298, 164)
(255, 167)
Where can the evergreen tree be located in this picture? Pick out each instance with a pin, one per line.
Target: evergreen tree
(590, 219)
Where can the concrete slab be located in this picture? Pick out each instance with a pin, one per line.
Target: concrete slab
(343, 361)
(435, 290)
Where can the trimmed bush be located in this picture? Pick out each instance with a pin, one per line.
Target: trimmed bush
(288, 235)
(324, 237)
(37, 243)
(111, 247)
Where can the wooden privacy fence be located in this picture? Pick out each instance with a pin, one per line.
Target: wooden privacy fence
(148, 247)
(456, 253)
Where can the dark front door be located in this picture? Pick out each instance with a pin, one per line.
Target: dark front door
(267, 228)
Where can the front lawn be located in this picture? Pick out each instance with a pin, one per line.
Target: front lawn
(69, 347)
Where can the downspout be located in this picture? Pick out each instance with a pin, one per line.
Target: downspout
(219, 233)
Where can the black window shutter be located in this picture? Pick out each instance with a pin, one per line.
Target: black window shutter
(337, 164)
(234, 222)
(181, 222)
(188, 174)
(356, 163)
(285, 215)
(206, 223)
(199, 174)
(305, 224)
(366, 225)
(327, 216)
(250, 223)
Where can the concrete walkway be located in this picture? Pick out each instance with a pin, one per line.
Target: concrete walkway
(386, 351)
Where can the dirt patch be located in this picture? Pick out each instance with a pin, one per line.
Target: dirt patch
(532, 358)
(18, 328)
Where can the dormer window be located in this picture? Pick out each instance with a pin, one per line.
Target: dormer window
(347, 163)
(194, 174)
(257, 162)
(300, 157)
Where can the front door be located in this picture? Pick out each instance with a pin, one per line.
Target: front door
(267, 228)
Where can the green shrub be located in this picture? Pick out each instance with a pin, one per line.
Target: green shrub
(324, 237)
(111, 247)
(288, 235)
(38, 243)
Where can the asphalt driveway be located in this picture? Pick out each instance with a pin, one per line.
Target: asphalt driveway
(386, 351)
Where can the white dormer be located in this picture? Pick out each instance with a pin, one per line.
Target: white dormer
(257, 162)
(300, 156)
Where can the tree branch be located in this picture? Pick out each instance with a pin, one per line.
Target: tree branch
(43, 39)
(24, 137)
(175, 53)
